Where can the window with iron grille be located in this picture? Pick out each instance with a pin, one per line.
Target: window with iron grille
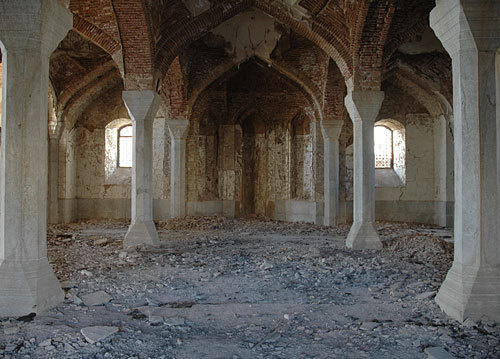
(383, 147)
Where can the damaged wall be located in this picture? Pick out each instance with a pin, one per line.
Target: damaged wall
(417, 199)
(85, 190)
(257, 129)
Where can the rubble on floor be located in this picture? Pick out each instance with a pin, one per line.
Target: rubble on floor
(227, 288)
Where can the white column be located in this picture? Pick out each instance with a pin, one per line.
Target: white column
(53, 191)
(30, 31)
(142, 107)
(443, 167)
(470, 32)
(363, 108)
(331, 132)
(178, 133)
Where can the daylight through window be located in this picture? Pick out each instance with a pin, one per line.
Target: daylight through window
(383, 147)
(125, 146)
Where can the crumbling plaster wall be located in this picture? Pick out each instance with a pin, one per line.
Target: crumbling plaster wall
(248, 120)
(90, 194)
(416, 200)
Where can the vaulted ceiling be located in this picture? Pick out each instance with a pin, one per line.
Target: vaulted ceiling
(144, 37)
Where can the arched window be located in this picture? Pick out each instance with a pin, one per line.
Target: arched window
(383, 147)
(125, 146)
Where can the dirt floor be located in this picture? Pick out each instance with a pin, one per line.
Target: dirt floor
(224, 288)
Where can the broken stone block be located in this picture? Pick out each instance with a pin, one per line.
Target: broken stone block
(426, 295)
(438, 353)
(97, 298)
(98, 333)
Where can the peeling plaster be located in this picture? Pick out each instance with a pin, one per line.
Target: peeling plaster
(248, 34)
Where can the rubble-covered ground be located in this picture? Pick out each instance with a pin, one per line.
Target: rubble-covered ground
(224, 288)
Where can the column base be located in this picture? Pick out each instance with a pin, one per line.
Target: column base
(28, 287)
(330, 221)
(470, 292)
(363, 236)
(141, 232)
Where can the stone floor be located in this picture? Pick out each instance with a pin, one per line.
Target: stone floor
(221, 288)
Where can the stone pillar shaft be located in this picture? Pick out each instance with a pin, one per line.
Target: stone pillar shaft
(142, 107)
(331, 132)
(470, 32)
(178, 133)
(53, 191)
(29, 33)
(363, 108)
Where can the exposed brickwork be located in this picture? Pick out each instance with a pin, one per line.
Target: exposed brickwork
(99, 14)
(233, 119)
(410, 18)
(334, 95)
(73, 59)
(368, 55)
(96, 35)
(360, 36)
(175, 91)
(433, 68)
(205, 61)
(137, 43)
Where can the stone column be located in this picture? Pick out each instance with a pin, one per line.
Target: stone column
(331, 132)
(142, 107)
(443, 167)
(363, 108)
(30, 31)
(178, 133)
(53, 191)
(470, 32)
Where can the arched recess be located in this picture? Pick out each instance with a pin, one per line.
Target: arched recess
(336, 46)
(74, 107)
(254, 145)
(426, 117)
(441, 115)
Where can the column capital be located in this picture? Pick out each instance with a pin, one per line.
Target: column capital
(178, 128)
(331, 129)
(34, 25)
(364, 105)
(461, 25)
(141, 105)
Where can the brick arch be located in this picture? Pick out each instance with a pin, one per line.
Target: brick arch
(81, 99)
(306, 86)
(96, 35)
(335, 45)
(136, 37)
(368, 47)
(421, 90)
(414, 28)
